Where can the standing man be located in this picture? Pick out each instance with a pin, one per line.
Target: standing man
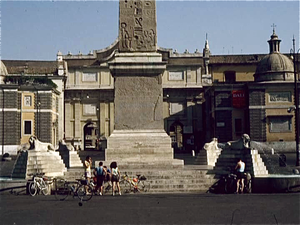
(100, 173)
(240, 168)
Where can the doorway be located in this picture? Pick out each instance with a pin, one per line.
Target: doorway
(90, 136)
(176, 130)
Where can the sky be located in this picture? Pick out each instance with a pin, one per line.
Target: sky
(37, 30)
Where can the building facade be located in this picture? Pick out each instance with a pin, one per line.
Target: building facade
(204, 96)
(31, 103)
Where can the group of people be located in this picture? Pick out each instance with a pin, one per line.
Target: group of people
(103, 174)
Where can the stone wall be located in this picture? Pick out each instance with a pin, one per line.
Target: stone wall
(257, 97)
(257, 115)
(11, 118)
(43, 117)
(258, 124)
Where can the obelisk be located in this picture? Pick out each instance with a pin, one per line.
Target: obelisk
(138, 139)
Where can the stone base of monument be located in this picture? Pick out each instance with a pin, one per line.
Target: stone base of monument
(141, 149)
(31, 162)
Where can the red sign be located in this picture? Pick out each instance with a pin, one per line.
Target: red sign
(238, 99)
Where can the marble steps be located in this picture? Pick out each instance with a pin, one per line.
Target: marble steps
(71, 158)
(32, 162)
(165, 180)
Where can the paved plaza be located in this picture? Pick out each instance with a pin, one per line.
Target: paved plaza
(153, 209)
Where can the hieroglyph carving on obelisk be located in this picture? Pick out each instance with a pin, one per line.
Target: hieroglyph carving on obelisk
(137, 26)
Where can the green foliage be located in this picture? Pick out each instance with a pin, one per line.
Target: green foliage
(29, 80)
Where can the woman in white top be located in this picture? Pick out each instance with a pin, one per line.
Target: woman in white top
(115, 178)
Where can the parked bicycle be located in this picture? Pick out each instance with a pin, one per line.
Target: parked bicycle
(227, 184)
(39, 184)
(231, 182)
(79, 188)
(136, 184)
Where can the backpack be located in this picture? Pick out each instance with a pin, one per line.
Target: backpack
(100, 171)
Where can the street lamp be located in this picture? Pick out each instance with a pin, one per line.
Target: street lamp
(296, 100)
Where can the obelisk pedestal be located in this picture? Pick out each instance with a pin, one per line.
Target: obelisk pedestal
(139, 138)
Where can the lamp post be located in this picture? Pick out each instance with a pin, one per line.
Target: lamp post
(296, 100)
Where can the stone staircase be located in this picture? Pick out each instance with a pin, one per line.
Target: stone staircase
(70, 158)
(229, 157)
(203, 158)
(190, 178)
(209, 154)
(31, 162)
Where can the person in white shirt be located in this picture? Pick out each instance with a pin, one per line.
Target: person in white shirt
(240, 169)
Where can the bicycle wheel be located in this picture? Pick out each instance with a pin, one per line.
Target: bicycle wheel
(85, 192)
(32, 188)
(126, 187)
(44, 188)
(143, 186)
(61, 193)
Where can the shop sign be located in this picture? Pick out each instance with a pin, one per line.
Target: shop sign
(238, 99)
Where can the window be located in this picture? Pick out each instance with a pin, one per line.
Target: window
(27, 127)
(229, 77)
(176, 108)
(89, 109)
(238, 126)
(175, 75)
(89, 77)
(280, 124)
(284, 96)
(27, 100)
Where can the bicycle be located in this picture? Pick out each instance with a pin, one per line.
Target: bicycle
(136, 184)
(79, 188)
(231, 182)
(39, 183)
